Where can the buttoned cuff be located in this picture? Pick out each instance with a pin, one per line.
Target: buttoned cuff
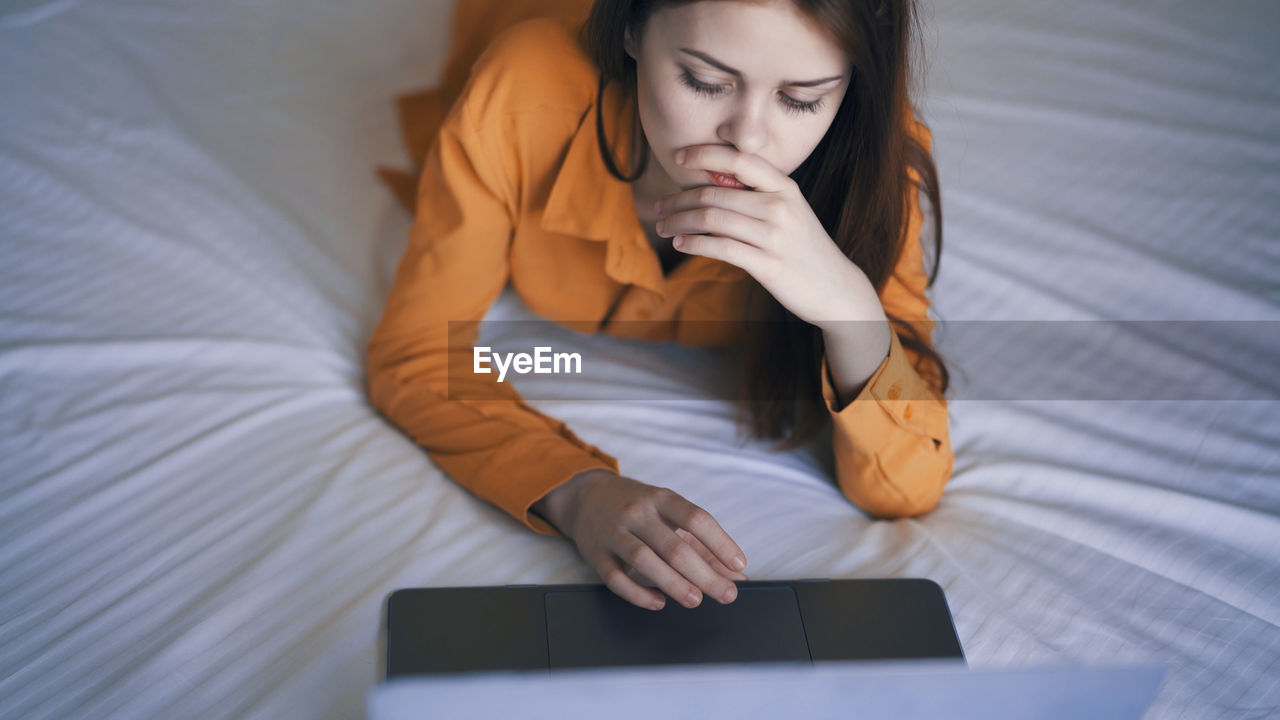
(891, 442)
(895, 391)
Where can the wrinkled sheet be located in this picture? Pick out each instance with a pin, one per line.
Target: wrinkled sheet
(201, 516)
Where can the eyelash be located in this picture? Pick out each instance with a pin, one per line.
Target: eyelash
(793, 106)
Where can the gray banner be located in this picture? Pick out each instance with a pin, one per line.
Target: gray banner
(988, 360)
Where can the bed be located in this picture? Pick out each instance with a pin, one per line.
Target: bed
(201, 515)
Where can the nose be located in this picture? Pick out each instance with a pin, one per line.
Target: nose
(745, 128)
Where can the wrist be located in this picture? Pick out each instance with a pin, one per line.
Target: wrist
(852, 358)
(853, 301)
(560, 505)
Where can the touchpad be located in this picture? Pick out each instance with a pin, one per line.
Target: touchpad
(595, 628)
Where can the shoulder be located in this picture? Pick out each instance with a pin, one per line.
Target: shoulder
(533, 65)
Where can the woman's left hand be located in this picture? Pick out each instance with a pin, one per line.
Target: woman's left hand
(769, 231)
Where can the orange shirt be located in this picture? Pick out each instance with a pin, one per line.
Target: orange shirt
(513, 190)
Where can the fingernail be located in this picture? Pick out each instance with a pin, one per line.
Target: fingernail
(729, 595)
(657, 604)
(693, 598)
(739, 563)
(657, 207)
(680, 157)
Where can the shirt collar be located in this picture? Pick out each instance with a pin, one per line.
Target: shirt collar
(585, 199)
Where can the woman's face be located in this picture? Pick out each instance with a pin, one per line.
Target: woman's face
(761, 109)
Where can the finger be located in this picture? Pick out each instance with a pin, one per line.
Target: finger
(639, 577)
(750, 169)
(681, 556)
(748, 203)
(616, 579)
(682, 513)
(640, 555)
(715, 220)
(709, 557)
(721, 248)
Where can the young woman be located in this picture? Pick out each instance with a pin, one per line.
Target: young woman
(750, 163)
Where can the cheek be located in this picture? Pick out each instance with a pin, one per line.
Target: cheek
(802, 144)
(671, 112)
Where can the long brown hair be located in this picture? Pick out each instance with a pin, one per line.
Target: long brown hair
(855, 180)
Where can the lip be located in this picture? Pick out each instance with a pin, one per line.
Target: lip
(728, 181)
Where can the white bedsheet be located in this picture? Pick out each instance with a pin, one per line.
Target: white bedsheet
(200, 515)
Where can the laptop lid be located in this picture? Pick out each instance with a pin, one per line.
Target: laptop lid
(902, 690)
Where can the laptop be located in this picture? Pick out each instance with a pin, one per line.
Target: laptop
(896, 690)
(433, 631)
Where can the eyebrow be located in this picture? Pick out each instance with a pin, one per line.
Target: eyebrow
(790, 83)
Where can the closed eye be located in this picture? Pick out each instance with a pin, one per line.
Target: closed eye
(792, 105)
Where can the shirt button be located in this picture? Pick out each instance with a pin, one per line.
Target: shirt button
(895, 392)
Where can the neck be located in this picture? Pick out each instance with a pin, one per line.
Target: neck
(651, 185)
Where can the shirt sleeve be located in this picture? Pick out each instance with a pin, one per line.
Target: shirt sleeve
(454, 267)
(892, 443)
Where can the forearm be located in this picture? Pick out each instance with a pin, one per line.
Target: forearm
(855, 348)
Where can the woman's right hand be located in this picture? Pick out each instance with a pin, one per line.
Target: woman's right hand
(620, 523)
